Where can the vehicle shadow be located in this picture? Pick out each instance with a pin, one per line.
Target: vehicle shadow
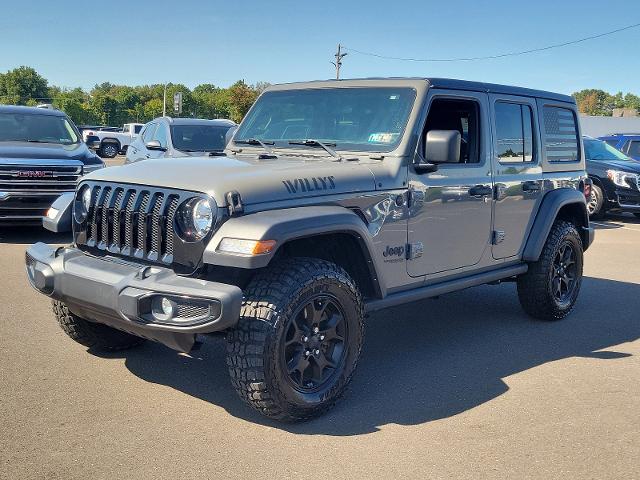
(424, 361)
(26, 235)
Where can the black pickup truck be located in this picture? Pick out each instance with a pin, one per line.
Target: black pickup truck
(42, 155)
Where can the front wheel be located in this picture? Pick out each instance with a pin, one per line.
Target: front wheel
(298, 339)
(595, 203)
(549, 289)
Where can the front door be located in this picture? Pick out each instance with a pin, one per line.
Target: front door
(517, 171)
(450, 209)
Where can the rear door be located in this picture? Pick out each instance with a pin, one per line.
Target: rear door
(517, 171)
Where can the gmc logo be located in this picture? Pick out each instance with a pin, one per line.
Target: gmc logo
(34, 174)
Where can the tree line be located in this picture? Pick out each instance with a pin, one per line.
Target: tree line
(109, 104)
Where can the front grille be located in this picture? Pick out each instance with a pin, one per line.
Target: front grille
(59, 178)
(132, 221)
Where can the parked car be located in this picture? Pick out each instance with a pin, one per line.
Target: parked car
(109, 143)
(329, 203)
(41, 156)
(627, 143)
(167, 137)
(616, 179)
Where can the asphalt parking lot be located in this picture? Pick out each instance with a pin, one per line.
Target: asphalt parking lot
(464, 386)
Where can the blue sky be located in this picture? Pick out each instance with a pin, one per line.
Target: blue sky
(191, 42)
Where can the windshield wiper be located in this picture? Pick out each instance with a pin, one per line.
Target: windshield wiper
(264, 144)
(216, 153)
(310, 142)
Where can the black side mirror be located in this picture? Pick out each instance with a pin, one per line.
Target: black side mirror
(155, 145)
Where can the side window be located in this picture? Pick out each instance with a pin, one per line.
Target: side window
(612, 141)
(149, 130)
(561, 142)
(161, 135)
(137, 128)
(460, 115)
(634, 149)
(514, 132)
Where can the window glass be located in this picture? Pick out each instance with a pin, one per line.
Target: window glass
(561, 143)
(634, 149)
(361, 119)
(611, 141)
(28, 127)
(460, 115)
(161, 135)
(147, 135)
(599, 150)
(137, 128)
(199, 138)
(514, 132)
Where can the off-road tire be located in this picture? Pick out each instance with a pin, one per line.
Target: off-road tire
(93, 335)
(255, 346)
(109, 149)
(535, 286)
(595, 204)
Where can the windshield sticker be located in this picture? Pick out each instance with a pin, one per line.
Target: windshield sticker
(310, 184)
(383, 137)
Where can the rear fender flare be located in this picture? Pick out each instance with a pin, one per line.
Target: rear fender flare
(548, 212)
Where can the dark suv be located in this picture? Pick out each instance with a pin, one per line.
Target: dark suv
(616, 179)
(41, 156)
(627, 143)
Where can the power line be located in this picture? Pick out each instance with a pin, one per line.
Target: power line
(501, 55)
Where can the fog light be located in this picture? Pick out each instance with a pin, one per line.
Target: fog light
(162, 309)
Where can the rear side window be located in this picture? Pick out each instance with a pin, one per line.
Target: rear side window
(514, 132)
(561, 141)
(611, 141)
(137, 128)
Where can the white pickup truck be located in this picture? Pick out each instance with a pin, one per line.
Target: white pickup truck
(109, 144)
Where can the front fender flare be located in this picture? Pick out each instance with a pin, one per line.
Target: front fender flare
(549, 209)
(283, 226)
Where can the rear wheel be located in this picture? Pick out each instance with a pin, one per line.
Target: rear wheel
(595, 204)
(109, 150)
(549, 289)
(93, 335)
(298, 339)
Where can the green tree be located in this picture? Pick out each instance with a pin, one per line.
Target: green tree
(241, 97)
(73, 103)
(22, 85)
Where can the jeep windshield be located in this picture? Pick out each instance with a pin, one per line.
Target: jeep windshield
(355, 119)
(29, 127)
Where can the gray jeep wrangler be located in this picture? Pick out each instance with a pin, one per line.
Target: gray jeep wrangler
(333, 199)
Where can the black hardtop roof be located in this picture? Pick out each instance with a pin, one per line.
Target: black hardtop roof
(433, 82)
(454, 84)
(30, 110)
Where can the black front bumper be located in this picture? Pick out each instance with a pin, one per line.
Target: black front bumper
(121, 294)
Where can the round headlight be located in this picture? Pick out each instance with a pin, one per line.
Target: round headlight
(82, 205)
(196, 218)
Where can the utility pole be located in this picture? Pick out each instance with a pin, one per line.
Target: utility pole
(164, 101)
(338, 63)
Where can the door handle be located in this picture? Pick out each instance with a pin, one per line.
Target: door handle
(530, 186)
(148, 156)
(480, 191)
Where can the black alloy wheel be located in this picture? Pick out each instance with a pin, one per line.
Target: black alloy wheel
(314, 343)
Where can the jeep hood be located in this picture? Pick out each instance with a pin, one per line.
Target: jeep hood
(257, 181)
